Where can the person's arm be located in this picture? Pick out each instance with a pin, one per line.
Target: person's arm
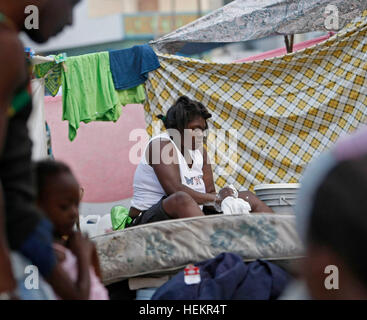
(208, 173)
(60, 280)
(7, 281)
(168, 174)
(208, 181)
(11, 76)
(256, 204)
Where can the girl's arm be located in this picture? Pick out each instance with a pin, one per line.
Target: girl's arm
(60, 281)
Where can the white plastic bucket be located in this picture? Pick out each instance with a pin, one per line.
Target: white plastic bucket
(89, 224)
(105, 225)
(95, 225)
(281, 197)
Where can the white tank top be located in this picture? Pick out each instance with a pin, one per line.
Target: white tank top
(147, 188)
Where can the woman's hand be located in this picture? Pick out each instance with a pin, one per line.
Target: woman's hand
(224, 193)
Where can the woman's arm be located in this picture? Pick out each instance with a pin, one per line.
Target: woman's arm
(166, 167)
(208, 181)
(208, 173)
(256, 204)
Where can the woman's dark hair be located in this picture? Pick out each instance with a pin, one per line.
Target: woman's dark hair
(339, 216)
(46, 169)
(182, 112)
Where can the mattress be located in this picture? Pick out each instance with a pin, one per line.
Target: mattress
(166, 246)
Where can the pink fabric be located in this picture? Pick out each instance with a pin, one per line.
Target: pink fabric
(283, 51)
(99, 155)
(97, 290)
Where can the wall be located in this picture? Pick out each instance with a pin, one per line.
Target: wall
(185, 6)
(99, 156)
(98, 8)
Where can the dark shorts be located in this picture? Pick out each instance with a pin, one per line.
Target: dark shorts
(154, 214)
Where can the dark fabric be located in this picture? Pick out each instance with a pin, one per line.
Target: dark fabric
(16, 178)
(209, 211)
(38, 247)
(121, 291)
(22, 216)
(130, 67)
(227, 277)
(154, 214)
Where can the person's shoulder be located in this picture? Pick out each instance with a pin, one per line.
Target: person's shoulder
(159, 141)
(160, 147)
(12, 54)
(11, 48)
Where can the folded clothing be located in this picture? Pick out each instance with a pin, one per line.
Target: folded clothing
(130, 67)
(232, 205)
(88, 91)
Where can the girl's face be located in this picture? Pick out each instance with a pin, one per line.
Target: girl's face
(194, 134)
(60, 201)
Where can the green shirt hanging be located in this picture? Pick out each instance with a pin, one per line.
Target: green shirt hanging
(88, 91)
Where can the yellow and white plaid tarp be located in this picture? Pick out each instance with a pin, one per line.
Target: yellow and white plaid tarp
(285, 111)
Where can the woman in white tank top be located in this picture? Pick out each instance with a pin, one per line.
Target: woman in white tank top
(174, 178)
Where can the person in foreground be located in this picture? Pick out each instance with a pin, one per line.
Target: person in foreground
(174, 178)
(331, 220)
(59, 196)
(28, 233)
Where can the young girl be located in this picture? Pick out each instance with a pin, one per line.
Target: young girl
(59, 196)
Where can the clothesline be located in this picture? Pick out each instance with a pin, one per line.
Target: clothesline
(112, 79)
(40, 60)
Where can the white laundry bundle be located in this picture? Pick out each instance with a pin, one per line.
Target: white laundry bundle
(232, 205)
(235, 205)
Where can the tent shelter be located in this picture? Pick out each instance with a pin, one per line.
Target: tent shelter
(285, 111)
(243, 20)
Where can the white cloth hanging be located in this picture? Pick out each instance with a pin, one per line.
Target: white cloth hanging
(36, 121)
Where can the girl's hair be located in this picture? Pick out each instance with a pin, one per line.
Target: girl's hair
(338, 219)
(182, 112)
(46, 169)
